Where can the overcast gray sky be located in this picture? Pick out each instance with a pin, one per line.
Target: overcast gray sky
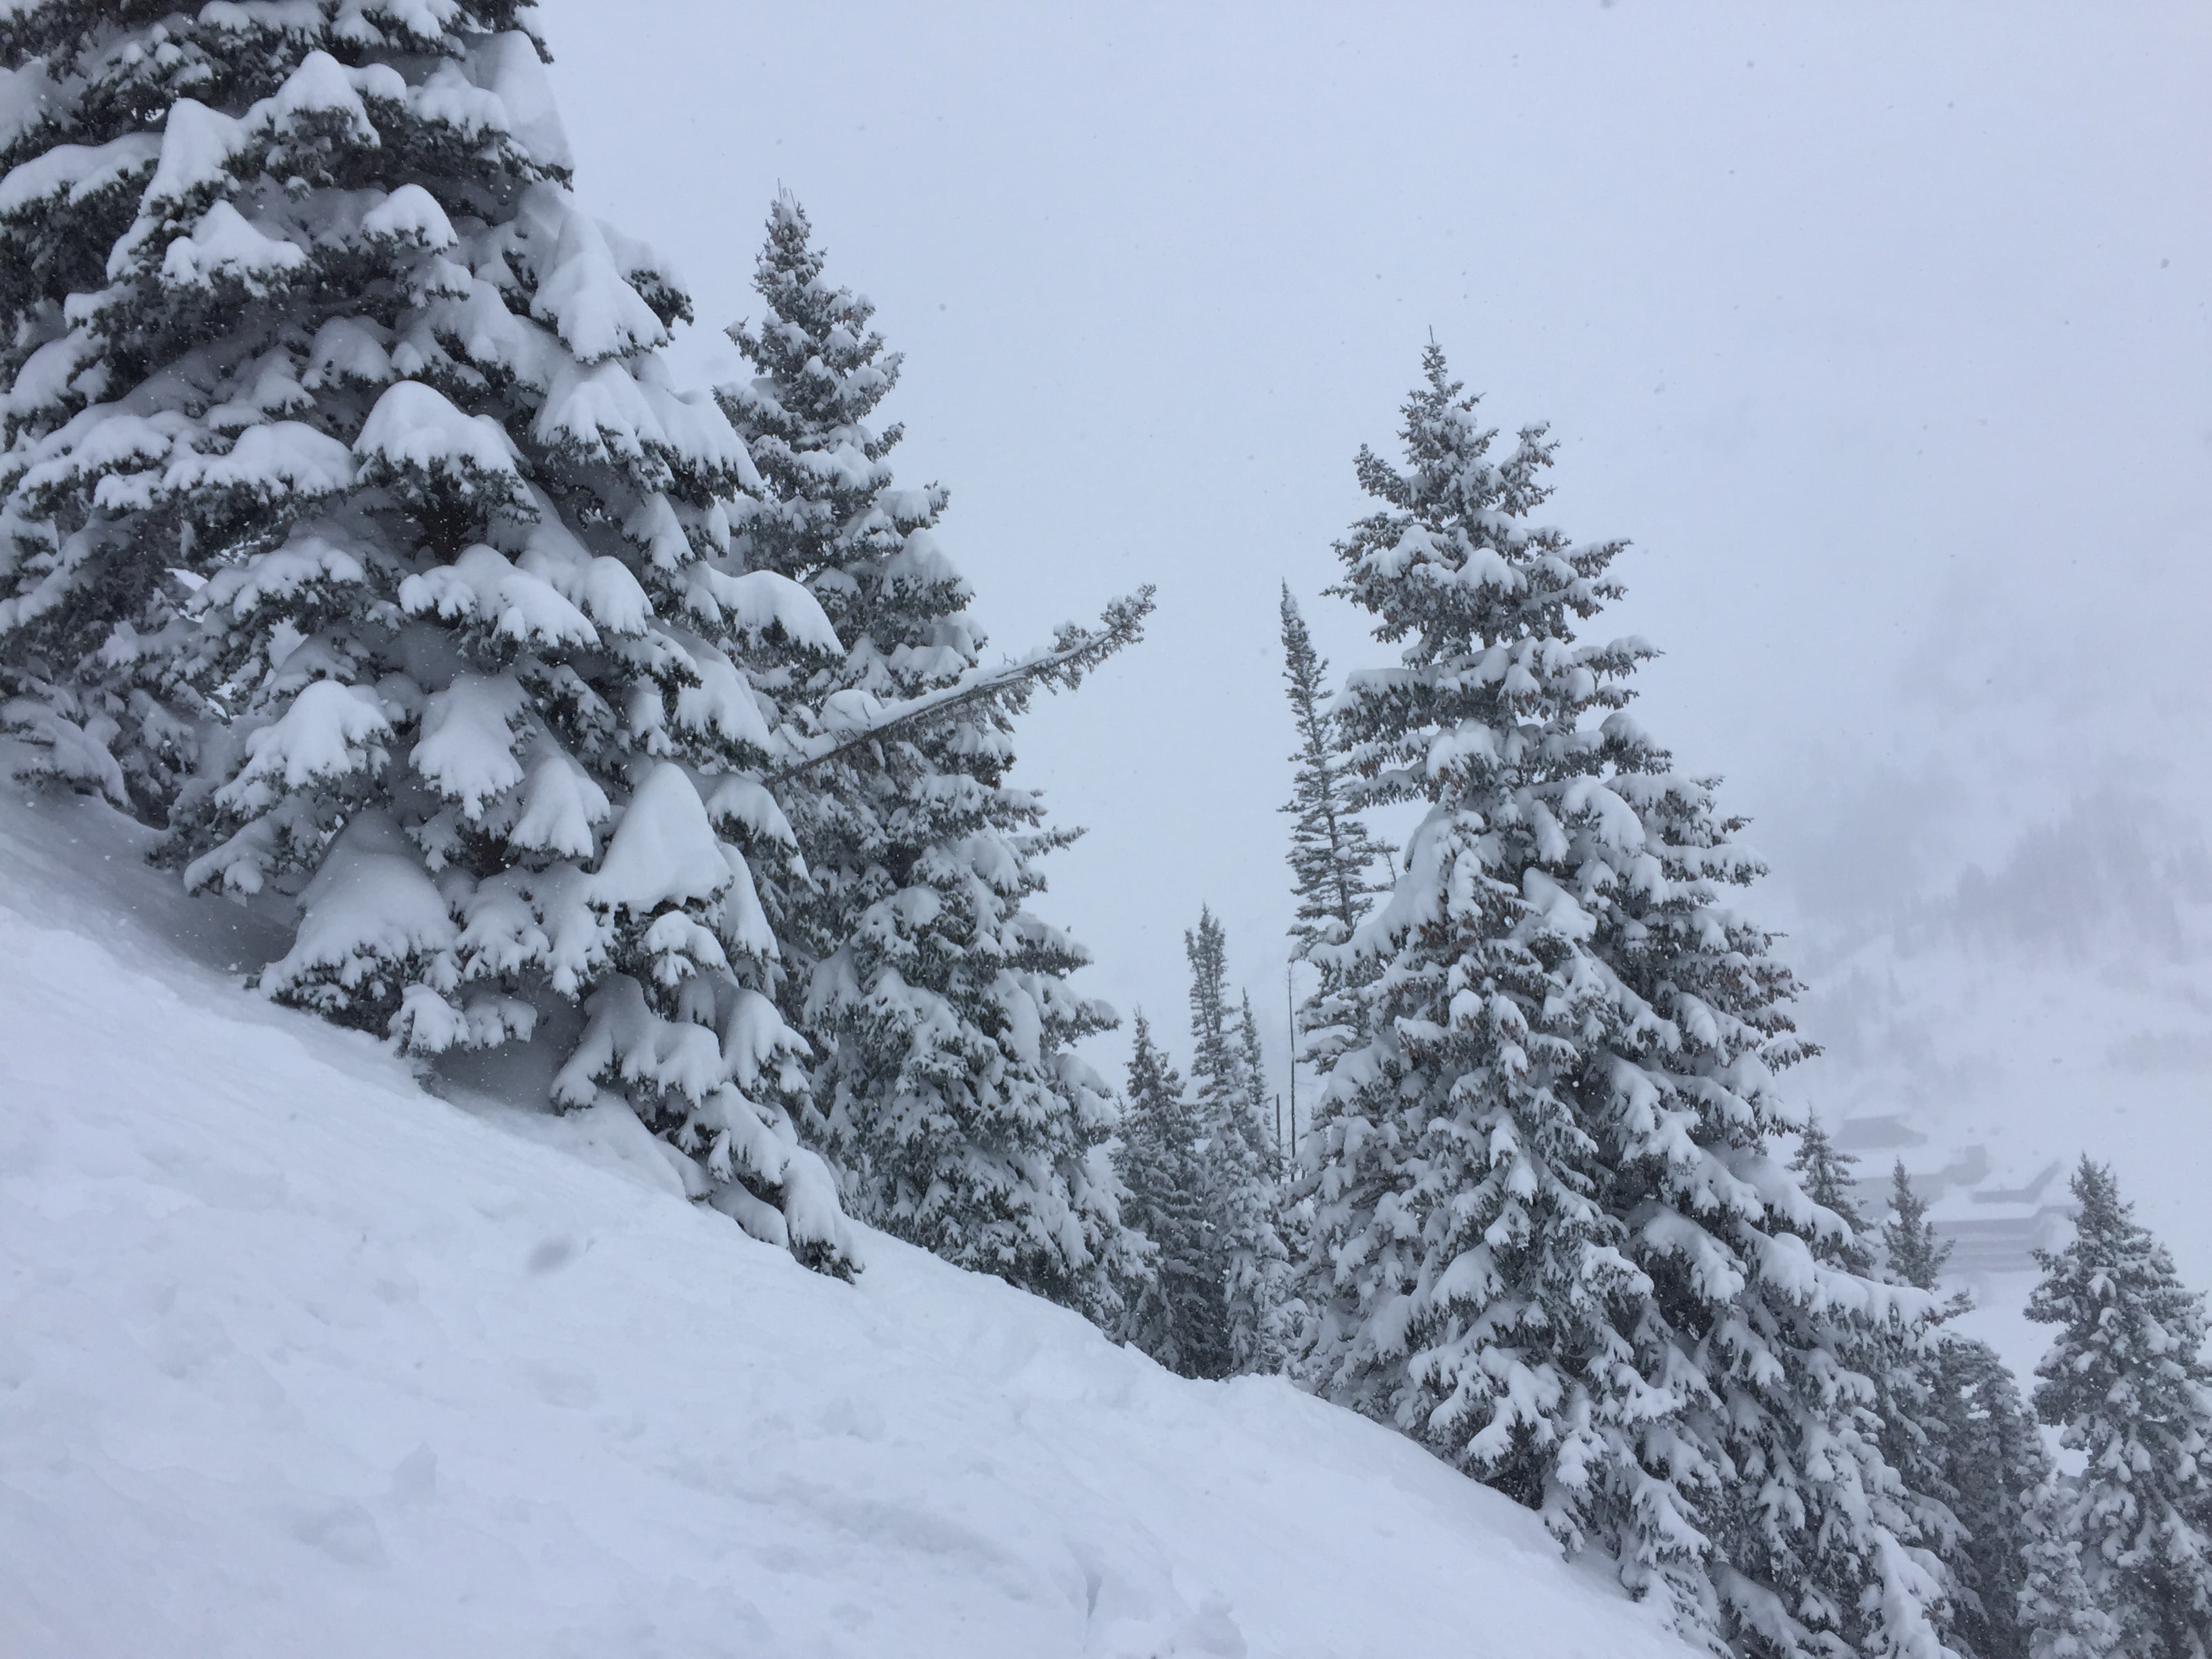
(1882, 330)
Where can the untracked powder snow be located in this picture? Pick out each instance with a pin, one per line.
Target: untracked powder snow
(295, 1357)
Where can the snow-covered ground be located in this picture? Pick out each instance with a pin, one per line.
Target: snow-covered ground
(296, 1358)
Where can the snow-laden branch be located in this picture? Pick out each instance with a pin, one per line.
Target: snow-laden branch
(1074, 652)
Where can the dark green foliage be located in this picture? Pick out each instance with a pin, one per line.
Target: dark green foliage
(1176, 1313)
(1333, 858)
(1240, 1162)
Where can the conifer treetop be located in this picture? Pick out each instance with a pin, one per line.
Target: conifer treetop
(1213, 1059)
(824, 368)
(1152, 1075)
(2127, 1385)
(1333, 858)
(2126, 1321)
(1826, 1170)
(1456, 527)
(1555, 1235)
(1917, 1253)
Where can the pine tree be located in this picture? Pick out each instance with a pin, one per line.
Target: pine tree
(948, 1085)
(1333, 858)
(1932, 1388)
(1826, 1171)
(96, 653)
(1213, 1055)
(1554, 1239)
(1177, 1312)
(2056, 1614)
(1915, 1251)
(1252, 1070)
(1997, 1465)
(1957, 1429)
(1913, 1364)
(1224, 1056)
(353, 527)
(2127, 1383)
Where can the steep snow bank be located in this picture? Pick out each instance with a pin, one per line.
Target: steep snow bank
(296, 1357)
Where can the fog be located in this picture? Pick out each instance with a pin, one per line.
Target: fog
(1880, 329)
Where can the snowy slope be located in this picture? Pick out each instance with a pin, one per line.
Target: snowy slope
(296, 1357)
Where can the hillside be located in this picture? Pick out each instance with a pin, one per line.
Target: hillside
(296, 1358)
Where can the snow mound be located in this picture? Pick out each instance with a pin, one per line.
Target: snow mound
(296, 1358)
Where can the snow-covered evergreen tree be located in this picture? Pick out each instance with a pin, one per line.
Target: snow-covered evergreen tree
(1333, 858)
(1944, 1401)
(2058, 1616)
(1913, 1250)
(1960, 1434)
(1214, 1070)
(1909, 1363)
(1176, 1313)
(353, 523)
(1555, 1237)
(1259, 1103)
(948, 1085)
(2127, 1383)
(1240, 1161)
(1996, 1466)
(94, 656)
(1827, 1173)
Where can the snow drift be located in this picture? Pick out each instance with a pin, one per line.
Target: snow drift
(297, 1357)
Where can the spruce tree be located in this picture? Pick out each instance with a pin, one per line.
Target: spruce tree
(353, 528)
(1958, 1430)
(2127, 1384)
(1937, 1397)
(1914, 1251)
(1555, 1238)
(2056, 1614)
(1252, 1072)
(1909, 1363)
(1245, 1201)
(1333, 858)
(1177, 1312)
(96, 651)
(947, 1085)
(1826, 1171)
(1996, 1466)
(1214, 1067)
